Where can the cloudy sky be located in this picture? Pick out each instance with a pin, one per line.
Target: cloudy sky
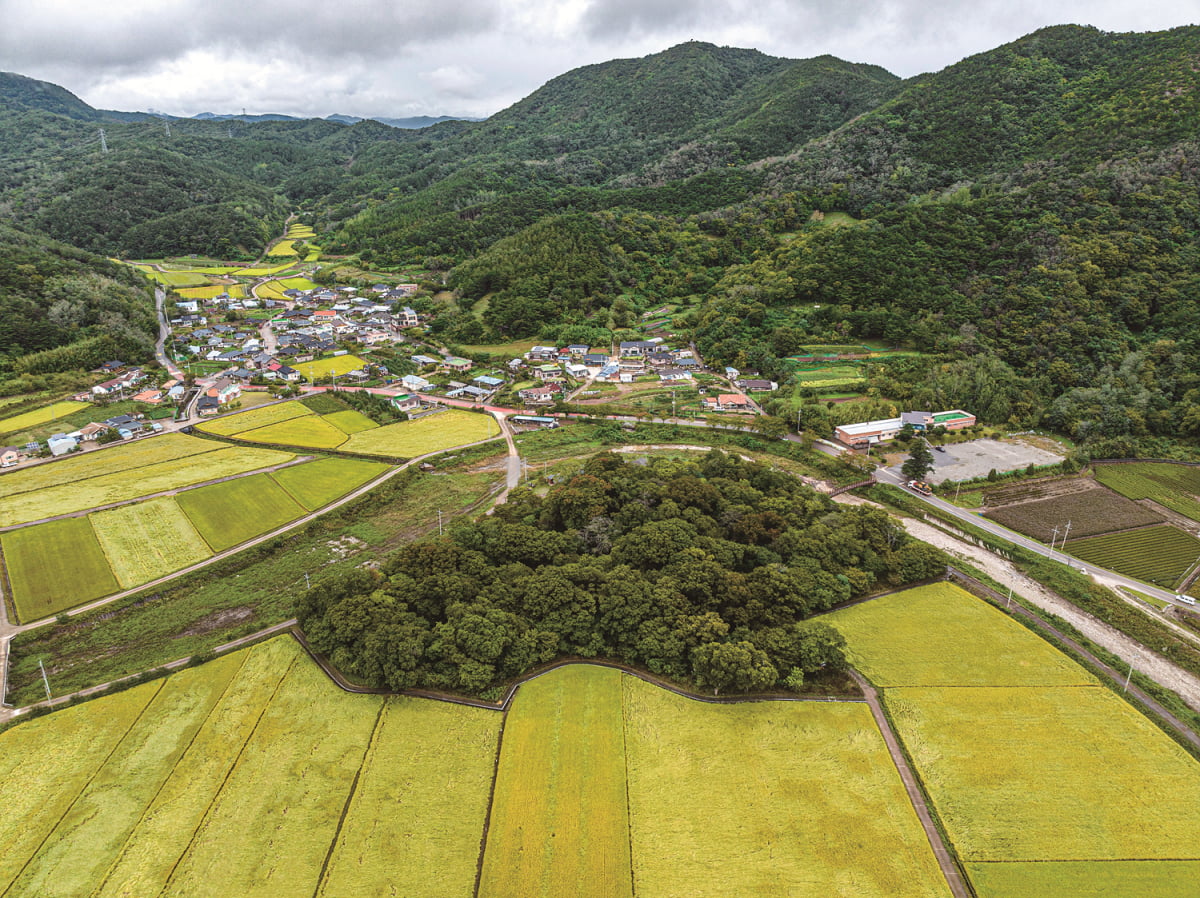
(473, 57)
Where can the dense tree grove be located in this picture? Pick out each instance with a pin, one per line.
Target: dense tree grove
(697, 570)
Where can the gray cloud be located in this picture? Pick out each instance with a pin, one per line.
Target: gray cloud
(400, 57)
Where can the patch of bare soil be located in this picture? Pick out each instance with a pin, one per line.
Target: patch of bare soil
(217, 620)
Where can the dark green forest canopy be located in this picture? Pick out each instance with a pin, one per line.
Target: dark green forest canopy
(687, 568)
(62, 308)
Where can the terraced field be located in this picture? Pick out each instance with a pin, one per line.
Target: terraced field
(310, 431)
(408, 439)
(1046, 782)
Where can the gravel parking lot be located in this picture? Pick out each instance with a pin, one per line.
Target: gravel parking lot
(963, 461)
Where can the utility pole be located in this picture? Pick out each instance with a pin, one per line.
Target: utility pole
(439, 522)
(103, 142)
(1128, 676)
(1053, 540)
(1065, 535)
(45, 679)
(307, 582)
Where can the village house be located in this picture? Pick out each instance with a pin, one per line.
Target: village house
(727, 402)
(544, 395)
(9, 456)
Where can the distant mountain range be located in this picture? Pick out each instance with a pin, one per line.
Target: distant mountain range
(29, 93)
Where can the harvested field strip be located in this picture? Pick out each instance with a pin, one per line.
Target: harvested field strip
(350, 421)
(40, 416)
(148, 540)
(310, 432)
(1092, 512)
(420, 804)
(46, 763)
(255, 417)
(134, 456)
(941, 635)
(292, 781)
(797, 799)
(55, 566)
(409, 439)
(1032, 490)
(88, 838)
(234, 290)
(163, 833)
(560, 823)
(229, 513)
(1087, 879)
(317, 483)
(1159, 555)
(125, 485)
(1049, 774)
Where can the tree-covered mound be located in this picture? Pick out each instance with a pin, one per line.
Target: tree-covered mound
(696, 570)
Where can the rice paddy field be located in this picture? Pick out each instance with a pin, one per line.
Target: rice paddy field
(235, 291)
(55, 566)
(233, 425)
(350, 421)
(122, 486)
(319, 482)
(1159, 555)
(227, 514)
(1046, 782)
(323, 369)
(842, 376)
(309, 431)
(1175, 486)
(43, 415)
(184, 786)
(432, 433)
(147, 540)
(126, 457)
(788, 798)
(560, 823)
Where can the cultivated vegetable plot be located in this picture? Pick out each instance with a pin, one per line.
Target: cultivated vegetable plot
(1175, 486)
(229, 513)
(1090, 512)
(939, 635)
(408, 439)
(398, 828)
(560, 823)
(55, 566)
(317, 483)
(254, 418)
(38, 416)
(795, 799)
(1158, 555)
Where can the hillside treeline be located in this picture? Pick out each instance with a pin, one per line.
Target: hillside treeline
(698, 571)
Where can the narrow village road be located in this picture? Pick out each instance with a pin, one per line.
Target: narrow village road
(164, 333)
(940, 852)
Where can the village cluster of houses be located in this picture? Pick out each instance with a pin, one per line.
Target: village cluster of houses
(318, 323)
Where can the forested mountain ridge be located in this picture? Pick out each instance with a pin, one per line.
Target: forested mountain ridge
(1028, 217)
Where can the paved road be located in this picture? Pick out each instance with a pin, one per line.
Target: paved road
(164, 332)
